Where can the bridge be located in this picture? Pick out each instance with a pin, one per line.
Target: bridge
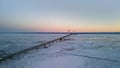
(43, 45)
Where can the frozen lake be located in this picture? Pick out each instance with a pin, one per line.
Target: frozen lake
(10, 43)
(82, 51)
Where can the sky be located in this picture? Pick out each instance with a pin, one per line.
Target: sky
(60, 15)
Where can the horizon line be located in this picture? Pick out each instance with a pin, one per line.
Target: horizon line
(59, 32)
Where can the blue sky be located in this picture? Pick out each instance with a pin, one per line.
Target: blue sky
(60, 15)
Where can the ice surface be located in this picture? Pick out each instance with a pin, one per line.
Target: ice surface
(82, 51)
(10, 43)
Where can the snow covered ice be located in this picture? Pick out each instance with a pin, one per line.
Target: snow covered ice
(82, 51)
(10, 43)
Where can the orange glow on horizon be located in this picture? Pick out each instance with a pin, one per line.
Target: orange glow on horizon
(75, 30)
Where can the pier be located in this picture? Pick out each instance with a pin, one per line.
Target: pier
(43, 45)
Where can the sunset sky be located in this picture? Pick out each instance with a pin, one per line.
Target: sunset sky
(61, 15)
